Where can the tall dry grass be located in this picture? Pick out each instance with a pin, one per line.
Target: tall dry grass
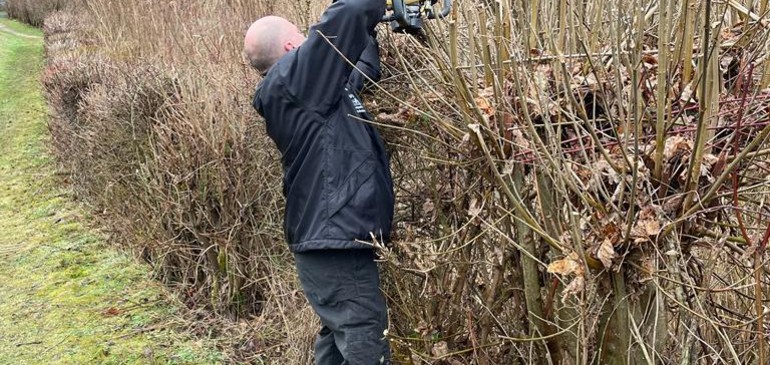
(578, 182)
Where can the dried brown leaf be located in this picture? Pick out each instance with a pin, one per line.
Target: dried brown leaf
(677, 146)
(648, 224)
(485, 106)
(440, 349)
(566, 266)
(575, 287)
(606, 253)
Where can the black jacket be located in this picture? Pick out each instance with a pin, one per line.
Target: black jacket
(337, 180)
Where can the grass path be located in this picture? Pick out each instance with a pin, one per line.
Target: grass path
(66, 297)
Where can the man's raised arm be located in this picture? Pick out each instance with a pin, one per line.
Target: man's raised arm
(368, 66)
(325, 60)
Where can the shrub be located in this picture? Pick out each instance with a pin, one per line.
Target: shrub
(182, 174)
(34, 12)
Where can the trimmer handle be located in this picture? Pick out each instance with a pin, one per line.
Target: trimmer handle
(446, 8)
(406, 15)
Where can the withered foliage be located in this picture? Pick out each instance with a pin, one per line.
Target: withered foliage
(33, 11)
(173, 159)
(615, 168)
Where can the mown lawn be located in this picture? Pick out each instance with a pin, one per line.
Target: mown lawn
(66, 296)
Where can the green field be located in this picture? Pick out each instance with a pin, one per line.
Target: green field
(66, 296)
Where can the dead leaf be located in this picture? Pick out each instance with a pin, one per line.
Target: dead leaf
(391, 119)
(651, 227)
(566, 266)
(611, 231)
(440, 349)
(648, 224)
(486, 108)
(112, 311)
(719, 165)
(606, 253)
(602, 171)
(677, 146)
(575, 287)
(687, 93)
(709, 161)
(649, 58)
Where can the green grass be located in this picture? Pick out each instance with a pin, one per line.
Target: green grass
(21, 27)
(66, 296)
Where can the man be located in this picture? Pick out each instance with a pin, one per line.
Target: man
(337, 182)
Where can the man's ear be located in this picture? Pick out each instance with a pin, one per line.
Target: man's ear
(288, 46)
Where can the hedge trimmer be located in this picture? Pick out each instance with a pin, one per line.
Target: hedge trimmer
(406, 16)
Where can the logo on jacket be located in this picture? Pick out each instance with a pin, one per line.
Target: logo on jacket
(357, 104)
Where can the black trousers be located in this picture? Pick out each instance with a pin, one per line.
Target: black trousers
(343, 287)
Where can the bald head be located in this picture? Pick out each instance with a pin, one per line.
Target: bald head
(268, 39)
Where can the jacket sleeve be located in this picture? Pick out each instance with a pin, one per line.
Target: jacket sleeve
(325, 60)
(368, 66)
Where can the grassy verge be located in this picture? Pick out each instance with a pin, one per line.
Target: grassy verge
(67, 298)
(20, 27)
